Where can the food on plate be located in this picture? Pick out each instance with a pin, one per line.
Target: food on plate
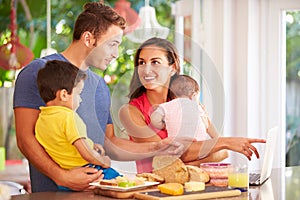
(139, 180)
(123, 181)
(171, 188)
(151, 177)
(111, 182)
(171, 168)
(126, 184)
(197, 174)
(194, 186)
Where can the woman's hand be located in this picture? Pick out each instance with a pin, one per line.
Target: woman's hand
(242, 145)
(172, 146)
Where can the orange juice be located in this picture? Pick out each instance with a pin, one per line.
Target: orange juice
(238, 180)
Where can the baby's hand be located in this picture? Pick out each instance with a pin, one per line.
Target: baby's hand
(99, 148)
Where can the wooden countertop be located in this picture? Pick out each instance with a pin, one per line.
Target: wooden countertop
(283, 184)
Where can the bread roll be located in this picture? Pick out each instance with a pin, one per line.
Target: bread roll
(197, 174)
(171, 168)
(163, 161)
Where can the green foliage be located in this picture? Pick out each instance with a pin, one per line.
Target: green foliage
(293, 140)
(5, 76)
(293, 47)
(293, 74)
(63, 15)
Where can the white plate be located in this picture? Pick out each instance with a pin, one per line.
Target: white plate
(125, 189)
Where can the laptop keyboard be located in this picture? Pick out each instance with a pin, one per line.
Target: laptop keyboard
(254, 178)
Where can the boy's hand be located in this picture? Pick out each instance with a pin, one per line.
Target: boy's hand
(99, 148)
(105, 160)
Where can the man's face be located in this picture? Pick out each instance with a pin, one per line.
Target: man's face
(106, 49)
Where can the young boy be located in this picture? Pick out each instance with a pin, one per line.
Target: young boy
(59, 129)
(184, 115)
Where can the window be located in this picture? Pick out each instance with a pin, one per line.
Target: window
(292, 88)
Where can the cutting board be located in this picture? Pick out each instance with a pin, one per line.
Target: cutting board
(118, 194)
(209, 192)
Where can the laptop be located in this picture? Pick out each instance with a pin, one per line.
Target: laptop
(265, 172)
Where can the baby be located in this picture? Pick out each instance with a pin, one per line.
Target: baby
(183, 116)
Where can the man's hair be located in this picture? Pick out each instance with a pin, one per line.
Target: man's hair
(184, 85)
(97, 18)
(58, 75)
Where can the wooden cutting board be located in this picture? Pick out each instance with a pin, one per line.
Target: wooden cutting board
(118, 194)
(209, 192)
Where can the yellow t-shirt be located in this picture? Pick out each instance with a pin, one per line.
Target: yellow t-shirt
(56, 129)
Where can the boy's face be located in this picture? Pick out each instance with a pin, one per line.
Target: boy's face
(106, 49)
(76, 99)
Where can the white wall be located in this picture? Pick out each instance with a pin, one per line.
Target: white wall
(244, 40)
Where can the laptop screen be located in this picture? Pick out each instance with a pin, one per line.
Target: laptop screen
(269, 154)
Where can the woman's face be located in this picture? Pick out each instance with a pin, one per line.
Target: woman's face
(153, 68)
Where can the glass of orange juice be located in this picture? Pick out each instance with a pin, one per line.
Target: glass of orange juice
(238, 177)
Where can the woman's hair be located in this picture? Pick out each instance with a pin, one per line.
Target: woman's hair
(97, 18)
(136, 88)
(184, 85)
(58, 75)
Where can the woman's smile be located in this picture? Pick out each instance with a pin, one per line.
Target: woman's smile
(149, 78)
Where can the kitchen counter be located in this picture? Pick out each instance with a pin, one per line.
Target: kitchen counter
(283, 184)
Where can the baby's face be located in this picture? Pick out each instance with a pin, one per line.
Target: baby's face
(196, 97)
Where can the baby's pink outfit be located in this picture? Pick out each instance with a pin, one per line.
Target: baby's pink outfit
(184, 118)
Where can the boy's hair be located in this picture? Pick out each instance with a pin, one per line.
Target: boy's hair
(58, 75)
(97, 18)
(184, 85)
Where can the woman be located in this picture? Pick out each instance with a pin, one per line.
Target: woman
(156, 64)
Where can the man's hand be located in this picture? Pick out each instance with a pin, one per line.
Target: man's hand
(78, 179)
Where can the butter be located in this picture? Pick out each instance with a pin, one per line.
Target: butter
(194, 186)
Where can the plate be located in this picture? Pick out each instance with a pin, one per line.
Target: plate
(125, 189)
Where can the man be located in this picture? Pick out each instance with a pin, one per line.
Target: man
(97, 34)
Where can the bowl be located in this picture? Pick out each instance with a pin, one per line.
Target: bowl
(216, 170)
